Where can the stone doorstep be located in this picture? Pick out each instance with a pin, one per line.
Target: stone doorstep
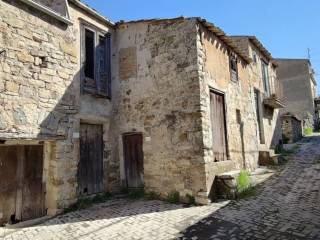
(229, 175)
(260, 170)
(29, 223)
(11, 228)
(228, 180)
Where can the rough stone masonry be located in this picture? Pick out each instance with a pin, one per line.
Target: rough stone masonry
(162, 72)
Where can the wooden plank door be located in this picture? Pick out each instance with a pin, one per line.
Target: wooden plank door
(21, 183)
(8, 183)
(33, 192)
(133, 158)
(259, 115)
(90, 171)
(218, 126)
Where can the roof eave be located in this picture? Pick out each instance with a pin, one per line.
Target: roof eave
(92, 12)
(224, 38)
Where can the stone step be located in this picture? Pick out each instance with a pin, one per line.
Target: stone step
(227, 182)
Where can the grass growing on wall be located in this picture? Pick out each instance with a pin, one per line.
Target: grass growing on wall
(307, 131)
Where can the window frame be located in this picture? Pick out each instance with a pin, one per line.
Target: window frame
(83, 46)
(265, 77)
(234, 73)
(254, 57)
(97, 34)
(259, 115)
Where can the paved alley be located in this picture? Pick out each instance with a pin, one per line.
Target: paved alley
(287, 208)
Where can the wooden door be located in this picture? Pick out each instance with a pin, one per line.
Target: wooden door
(33, 191)
(133, 158)
(90, 171)
(8, 182)
(21, 183)
(218, 126)
(259, 115)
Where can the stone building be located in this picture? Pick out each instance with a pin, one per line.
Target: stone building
(43, 113)
(197, 97)
(88, 106)
(299, 89)
(268, 93)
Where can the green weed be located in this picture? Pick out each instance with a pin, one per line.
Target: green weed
(191, 200)
(243, 181)
(136, 193)
(84, 203)
(308, 131)
(173, 197)
(152, 196)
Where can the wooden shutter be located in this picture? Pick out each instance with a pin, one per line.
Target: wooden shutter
(218, 127)
(104, 66)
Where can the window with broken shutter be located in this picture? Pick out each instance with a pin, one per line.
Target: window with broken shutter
(104, 66)
(96, 62)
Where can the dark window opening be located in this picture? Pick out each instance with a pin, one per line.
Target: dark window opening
(96, 63)
(265, 77)
(44, 62)
(238, 115)
(233, 68)
(254, 56)
(89, 54)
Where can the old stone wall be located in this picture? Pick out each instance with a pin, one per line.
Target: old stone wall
(40, 92)
(213, 62)
(271, 119)
(291, 129)
(158, 95)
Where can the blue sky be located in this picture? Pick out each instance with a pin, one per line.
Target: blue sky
(286, 27)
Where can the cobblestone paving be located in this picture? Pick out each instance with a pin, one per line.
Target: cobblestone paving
(118, 219)
(287, 208)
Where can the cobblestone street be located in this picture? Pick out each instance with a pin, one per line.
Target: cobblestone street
(287, 208)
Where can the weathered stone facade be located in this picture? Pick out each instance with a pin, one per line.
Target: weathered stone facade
(214, 73)
(166, 70)
(159, 97)
(271, 122)
(40, 97)
(162, 75)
